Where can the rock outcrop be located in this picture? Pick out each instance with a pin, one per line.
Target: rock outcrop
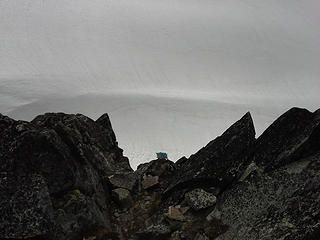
(54, 173)
(282, 141)
(64, 177)
(216, 165)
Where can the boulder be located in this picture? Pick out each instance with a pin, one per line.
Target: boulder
(159, 171)
(282, 141)
(199, 199)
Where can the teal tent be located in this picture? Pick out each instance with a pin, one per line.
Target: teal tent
(162, 155)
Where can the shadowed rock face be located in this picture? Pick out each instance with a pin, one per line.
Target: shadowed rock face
(56, 167)
(217, 164)
(284, 138)
(64, 177)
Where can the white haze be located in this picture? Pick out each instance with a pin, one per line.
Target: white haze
(172, 74)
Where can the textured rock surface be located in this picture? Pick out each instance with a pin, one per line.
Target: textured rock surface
(283, 204)
(200, 236)
(198, 199)
(56, 166)
(126, 180)
(281, 142)
(161, 168)
(156, 232)
(282, 201)
(217, 163)
(26, 209)
(63, 177)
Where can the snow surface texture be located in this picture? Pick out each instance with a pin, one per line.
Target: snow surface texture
(172, 74)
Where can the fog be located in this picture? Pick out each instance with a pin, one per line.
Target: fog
(172, 74)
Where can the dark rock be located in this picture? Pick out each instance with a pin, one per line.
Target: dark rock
(201, 236)
(26, 209)
(126, 180)
(251, 168)
(282, 204)
(123, 197)
(281, 142)
(158, 167)
(156, 172)
(55, 166)
(104, 121)
(217, 164)
(63, 176)
(87, 140)
(150, 181)
(215, 214)
(181, 161)
(157, 232)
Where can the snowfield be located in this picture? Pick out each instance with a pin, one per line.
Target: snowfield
(172, 74)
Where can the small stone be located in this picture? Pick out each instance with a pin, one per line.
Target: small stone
(200, 199)
(175, 213)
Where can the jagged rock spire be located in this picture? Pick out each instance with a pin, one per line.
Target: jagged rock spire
(217, 163)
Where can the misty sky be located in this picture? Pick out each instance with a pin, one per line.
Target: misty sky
(261, 54)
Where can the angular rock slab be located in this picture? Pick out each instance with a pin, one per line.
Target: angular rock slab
(282, 142)
(216, 164)
(176, 213)
(72, 155)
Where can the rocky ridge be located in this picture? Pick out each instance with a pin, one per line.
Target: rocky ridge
(63, 176)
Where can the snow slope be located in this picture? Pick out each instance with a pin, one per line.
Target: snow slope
(173, 74)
